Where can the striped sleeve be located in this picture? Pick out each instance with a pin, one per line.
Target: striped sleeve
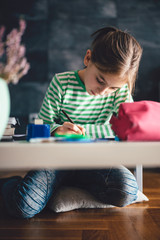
(51, 104)
(99, 130)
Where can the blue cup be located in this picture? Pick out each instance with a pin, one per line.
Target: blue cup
(38, 131)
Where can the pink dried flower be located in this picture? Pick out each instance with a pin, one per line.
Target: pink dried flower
(15, 65)
(21, 51)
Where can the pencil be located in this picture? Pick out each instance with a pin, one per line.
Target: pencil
(67, 116)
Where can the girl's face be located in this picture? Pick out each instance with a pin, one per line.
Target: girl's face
(97, 82)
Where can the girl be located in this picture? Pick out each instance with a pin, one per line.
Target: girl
(89, 96)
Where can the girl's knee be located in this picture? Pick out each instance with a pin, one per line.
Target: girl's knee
(30, 199)
(126, 195)
(126, 186)
(117, 196)
(121, 188)
(26, 198)
(28, 204)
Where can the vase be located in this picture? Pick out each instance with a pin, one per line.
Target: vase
(4, 105)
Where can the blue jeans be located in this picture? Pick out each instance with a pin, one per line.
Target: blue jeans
(28, 196)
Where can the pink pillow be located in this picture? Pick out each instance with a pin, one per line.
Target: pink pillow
(137, 121)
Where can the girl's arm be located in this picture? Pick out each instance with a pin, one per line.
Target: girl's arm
(98, 131)
(51, 107)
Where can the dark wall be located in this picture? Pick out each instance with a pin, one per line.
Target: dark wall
(58, 34)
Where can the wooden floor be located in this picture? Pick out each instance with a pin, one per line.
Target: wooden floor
(140, 221)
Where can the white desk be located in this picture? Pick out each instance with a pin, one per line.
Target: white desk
(23, 155)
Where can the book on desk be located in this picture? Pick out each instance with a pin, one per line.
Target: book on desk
(9, 133)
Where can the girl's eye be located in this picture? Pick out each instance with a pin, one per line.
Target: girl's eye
(100, 81)
(112, 88)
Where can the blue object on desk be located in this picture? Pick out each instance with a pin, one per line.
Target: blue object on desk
(73, 138)
(117, 139)
(38, 131)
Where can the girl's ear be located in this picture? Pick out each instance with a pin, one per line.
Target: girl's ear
(87, 57)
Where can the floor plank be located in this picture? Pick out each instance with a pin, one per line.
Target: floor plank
(95, 234)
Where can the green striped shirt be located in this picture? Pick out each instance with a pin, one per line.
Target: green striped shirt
(66, 91)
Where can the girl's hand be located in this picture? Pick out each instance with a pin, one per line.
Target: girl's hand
(69, 128)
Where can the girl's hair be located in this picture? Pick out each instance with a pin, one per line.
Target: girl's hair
(117, 52)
